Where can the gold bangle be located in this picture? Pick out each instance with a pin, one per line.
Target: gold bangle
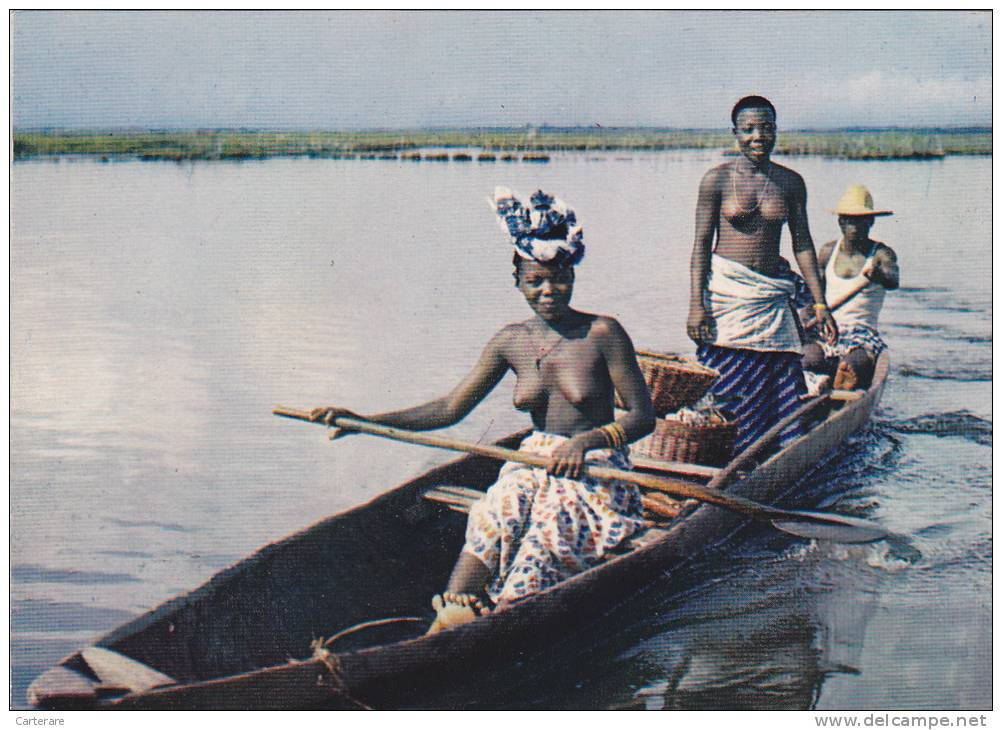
(615, 435)
(623, 439)
(820, 307)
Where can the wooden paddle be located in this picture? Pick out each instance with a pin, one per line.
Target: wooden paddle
(803, 524)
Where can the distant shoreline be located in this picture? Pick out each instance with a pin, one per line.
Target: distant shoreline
(486, 145)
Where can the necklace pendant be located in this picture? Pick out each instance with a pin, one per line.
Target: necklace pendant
(543, 352)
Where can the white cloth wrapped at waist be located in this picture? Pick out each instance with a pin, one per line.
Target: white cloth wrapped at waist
(751, 311)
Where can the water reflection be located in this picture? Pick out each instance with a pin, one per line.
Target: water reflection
(774, 657)
(765, 636)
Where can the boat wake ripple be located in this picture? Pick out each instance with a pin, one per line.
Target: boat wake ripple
(890, 556)
(847, 478)
(943, 300)
(963, 424)
(961, 374)
(939, 332)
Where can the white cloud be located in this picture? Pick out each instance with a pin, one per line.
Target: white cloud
(879, 98)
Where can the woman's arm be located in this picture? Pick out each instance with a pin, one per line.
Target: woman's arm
(807, 314)
(638, 420)
(699, 326)
(807, 260)
(624, 372)
(445, 411)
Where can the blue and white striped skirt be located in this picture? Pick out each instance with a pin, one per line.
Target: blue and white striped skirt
(756, 388)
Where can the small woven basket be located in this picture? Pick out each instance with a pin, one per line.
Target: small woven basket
(711, 444)
(674, 381)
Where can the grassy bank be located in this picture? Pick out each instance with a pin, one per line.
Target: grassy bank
(487, 145)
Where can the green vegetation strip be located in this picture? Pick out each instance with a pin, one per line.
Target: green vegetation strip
(491, 144)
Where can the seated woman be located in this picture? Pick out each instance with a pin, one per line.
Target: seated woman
(740, 312)
(536, 527)
(848, 263)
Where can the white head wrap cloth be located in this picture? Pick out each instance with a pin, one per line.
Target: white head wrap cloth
(546, 232)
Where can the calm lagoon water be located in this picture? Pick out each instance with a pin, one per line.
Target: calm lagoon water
(158, 311)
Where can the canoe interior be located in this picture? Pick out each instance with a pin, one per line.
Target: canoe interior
(388, 557)
(382, 559)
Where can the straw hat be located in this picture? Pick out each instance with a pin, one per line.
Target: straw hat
(856, 200)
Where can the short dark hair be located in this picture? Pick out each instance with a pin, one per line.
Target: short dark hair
(751, 102)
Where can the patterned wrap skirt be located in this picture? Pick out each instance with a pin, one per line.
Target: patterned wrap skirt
(853, 337)
(758, 389)
(534, 529)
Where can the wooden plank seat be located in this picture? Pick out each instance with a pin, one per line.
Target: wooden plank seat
(458, 499)
(846, 396)
(675, 467)
(117, 674)
(62, 688)
(117, 670)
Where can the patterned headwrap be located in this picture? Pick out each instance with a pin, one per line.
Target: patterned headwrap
(546, 232)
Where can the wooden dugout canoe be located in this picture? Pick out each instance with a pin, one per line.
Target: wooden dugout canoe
(243, 640)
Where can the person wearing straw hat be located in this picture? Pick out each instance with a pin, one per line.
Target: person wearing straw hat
(741, 312)
(859, 271)
(536, 527)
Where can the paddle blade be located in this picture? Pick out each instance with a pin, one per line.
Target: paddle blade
(835, 528)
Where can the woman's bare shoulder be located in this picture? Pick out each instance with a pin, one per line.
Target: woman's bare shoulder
(791, 184)
(513, 331)
(508, 337)
(717, 173)
(607, 327)
(783, 174)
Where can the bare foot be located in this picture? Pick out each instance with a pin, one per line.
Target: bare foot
(845, 377)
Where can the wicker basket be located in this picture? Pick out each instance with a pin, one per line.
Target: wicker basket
(674, 381)
(711, 445)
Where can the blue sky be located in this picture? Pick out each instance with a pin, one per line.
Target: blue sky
(365, 69)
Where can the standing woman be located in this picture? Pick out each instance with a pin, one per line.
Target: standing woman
(537, 527)
(740, 291)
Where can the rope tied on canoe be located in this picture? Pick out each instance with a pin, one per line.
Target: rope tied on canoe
(333, 664)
